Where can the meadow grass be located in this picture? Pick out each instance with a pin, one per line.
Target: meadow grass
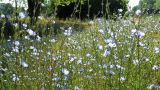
(104, 55)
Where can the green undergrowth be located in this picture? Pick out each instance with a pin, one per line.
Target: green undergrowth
(104, 55)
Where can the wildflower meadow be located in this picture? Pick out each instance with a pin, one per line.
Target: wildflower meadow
(98, 54)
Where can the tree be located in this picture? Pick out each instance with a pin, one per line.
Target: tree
(6, 9)
(88, 8)
(147, 3)
(157, 4)
(34, 7)
(135, 8)
(150, 6)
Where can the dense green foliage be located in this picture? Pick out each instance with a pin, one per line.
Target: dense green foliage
(91, 8)
(148, 4)
(157, 4)
(135, 8)
(80, 7)
(6, 8)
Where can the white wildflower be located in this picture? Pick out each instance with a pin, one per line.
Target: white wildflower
(65, 71)
(121, 78)
(110, 72)
(15, 24)
(133, 31)
(31, 47)
(15, 78)
(135, 62)
(17, 43)
(40, 17)
(112, 45)
(2, 16)
(23, 63)
(91, 22)
(100, 47)
(27, 37)
(22, 15)
(79, 61)
(7, 54)
(110, 40)
(120, 10)
(141, 44)
(88, 55)
(138, 12)
(31, 32)
(156, 50)
(16, 49)
(137, 33)
(52, 40)
(76, 88)
(101, 31)
(147, 59)
(155, 67)
(38, 38)
(153, 87)
(68, 32)
(24, 26)
(106, 52)
(140, 34)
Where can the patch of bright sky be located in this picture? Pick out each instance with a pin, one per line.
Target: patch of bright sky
(133, 3)
(20, 3)
(6, 1)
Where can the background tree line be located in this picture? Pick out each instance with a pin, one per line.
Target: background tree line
(51, 5)
(147, 4)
